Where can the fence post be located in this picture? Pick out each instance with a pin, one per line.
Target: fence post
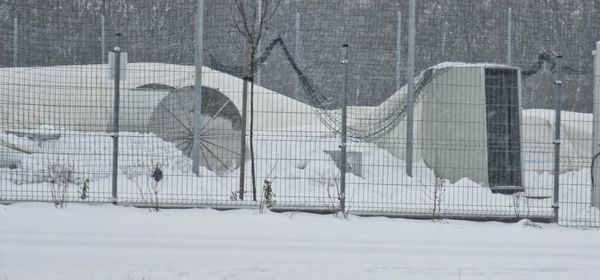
(398, 50)
(257, 54)
(196, 148)
(558, 107)
(115, 135)
(410, 80)
(102, 40)
(595, 189)
(15, 41)
(357, 98)
(297, 54)
(343, 159)
(247, 78)
(509, 40)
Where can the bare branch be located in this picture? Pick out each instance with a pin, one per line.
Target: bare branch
(242, 25)
(266, 16)
(248, 22)
(273, 10)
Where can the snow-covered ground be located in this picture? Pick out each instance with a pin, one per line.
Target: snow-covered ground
(82, 242)
(302, 175)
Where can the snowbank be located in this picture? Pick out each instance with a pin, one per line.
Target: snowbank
(538, 138)
(80, 97)
(302, 175)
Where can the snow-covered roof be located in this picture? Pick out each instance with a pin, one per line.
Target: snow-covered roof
(66, 87)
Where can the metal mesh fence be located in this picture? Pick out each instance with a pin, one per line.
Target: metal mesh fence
(484, 100)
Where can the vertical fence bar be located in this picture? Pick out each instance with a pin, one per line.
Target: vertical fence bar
(102, 40)
(509, 39)
(343, 133)
(558, 108)
(15, 41)
(357, 98)
(244, 118)
(410, 80)
(115, 135)
(297, 54)
(257, 54)
(595, 190)
(399, 50)
(196, 148)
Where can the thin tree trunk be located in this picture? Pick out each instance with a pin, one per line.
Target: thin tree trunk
(253, 168)
(253, 48)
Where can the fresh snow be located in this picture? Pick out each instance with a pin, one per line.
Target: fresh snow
(302, 174)
(82, 242)
(60, 96)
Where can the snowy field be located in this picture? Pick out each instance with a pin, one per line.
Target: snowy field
(83, 242)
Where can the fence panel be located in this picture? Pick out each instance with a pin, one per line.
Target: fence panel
(273, 86)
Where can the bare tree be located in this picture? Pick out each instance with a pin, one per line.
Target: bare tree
(251, 22)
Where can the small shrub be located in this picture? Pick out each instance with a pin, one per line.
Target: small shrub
(60, 176)
(148, 179)
(85, 188)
